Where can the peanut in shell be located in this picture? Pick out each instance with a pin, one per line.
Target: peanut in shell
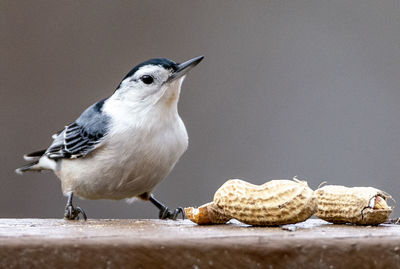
(276, 202)
(357, 205)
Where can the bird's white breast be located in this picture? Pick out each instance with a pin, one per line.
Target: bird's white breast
(140, 150)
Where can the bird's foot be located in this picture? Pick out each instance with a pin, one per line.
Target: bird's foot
(71, 212)
(165, 213)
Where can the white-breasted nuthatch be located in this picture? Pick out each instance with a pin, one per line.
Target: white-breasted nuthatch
(124, 145)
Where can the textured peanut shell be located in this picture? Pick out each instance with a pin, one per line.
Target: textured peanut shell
(339, 204)
(208, 213)
(273, 203)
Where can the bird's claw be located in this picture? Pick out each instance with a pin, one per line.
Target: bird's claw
(72, 213)
(165, 213)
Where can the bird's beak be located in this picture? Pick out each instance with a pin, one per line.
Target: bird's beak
(183, 68)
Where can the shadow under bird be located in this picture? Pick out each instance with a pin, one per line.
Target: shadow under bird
(123, 146)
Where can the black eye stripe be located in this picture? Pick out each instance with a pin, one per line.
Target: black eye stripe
(147, 79)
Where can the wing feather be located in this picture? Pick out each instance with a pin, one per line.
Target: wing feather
(82, 136)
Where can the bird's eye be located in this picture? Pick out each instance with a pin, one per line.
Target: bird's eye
(147, 79)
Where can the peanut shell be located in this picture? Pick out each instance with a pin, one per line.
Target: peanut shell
(208, 213)
(357, 205)
(273, 203)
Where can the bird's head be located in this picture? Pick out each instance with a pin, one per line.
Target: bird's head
(156, 81)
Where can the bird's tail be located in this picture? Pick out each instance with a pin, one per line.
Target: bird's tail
(34, 155)
(37, 162)
(27, 167)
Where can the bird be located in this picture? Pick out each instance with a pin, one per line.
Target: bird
(122, 146)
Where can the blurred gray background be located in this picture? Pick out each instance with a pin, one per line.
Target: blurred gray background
(308, 88)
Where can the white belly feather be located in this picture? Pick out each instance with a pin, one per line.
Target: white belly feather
(129, 163)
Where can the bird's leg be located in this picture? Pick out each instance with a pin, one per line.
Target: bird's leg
(71, 212)
(165, 213)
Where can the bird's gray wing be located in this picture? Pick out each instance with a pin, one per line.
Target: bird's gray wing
(82, 136)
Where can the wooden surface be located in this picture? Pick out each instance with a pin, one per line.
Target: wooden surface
(50, 243)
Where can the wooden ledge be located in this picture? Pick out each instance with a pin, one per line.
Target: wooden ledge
(50, 243)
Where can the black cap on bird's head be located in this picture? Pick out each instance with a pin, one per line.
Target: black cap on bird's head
(177, 69)
(164, 62)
